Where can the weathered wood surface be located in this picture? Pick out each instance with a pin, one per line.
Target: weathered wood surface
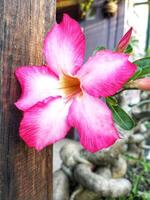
(24, 173)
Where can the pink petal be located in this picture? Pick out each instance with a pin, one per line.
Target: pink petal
(37, 83)
(93, 120)
(45, 123)
(123, 43)
(105, 73)
(64, 46)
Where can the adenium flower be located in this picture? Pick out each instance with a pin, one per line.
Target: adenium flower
(66, 93)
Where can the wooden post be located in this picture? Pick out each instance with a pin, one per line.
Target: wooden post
(24, 173)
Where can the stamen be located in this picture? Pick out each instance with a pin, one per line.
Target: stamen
(70, 86)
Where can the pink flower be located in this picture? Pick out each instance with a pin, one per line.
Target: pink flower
(65, 93)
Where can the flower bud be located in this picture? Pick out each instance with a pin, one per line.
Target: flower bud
(142, 84)
(123, 43)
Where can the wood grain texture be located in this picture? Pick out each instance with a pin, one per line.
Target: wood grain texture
(24, 173)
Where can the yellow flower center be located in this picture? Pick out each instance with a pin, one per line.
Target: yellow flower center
(69, 86)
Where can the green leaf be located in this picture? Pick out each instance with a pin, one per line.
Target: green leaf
(143, 62)
(121, 117)
(98, 49)
(137, 74)
(129, 49)
(112, 101)
(146, 166)
(146, 195)
(143, 68)
(137, 180)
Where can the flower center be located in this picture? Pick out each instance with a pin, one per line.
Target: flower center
(70, 86)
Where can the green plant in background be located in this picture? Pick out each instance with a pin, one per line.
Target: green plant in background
(109, 7)
(139, 175)
(85, 6)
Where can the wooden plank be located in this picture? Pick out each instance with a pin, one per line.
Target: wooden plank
(112, 30)
(120, 22)
(96, 35)
(24, 173)
(96, 30)
(102, 31)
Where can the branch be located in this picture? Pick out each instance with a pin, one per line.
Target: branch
(60, 186)
(97, 183)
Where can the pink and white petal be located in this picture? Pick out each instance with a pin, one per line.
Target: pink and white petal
(105, 73)
(37, 83)
(64, 46)
(45, 123)
(94, 123)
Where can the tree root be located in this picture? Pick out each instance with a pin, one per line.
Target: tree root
(97, 183)
(60, 186)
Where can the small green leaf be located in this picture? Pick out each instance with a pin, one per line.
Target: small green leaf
(137, 74)
(129, 49)
(121, 117)
(143, 62)
(137, 180)
(98, 49)
(143, 68)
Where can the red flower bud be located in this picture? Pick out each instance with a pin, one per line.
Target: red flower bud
(123, 43)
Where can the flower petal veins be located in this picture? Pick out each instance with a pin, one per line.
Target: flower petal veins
(105, 73)
(64, 46)
(94, 123)
(37, 83)
(45, 123)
